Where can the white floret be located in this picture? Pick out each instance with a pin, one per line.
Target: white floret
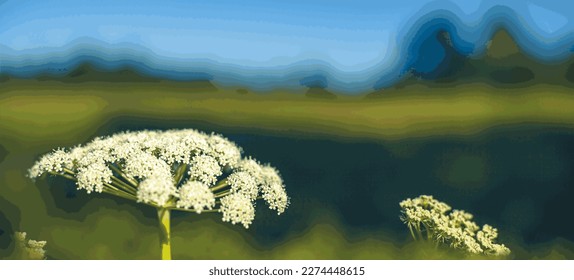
(54, 162)
(271, 175)
(195, 195)
(225, 151)
(157, 190)
(172, 149)
(93, 177)
(276, 197)
(242, 182)
(237, 208)
(143, 165)
(204, 168)
(252, 167)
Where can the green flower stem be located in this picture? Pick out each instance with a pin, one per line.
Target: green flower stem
(117, 187)
(164, 238)
(70, 172)
(412, 232)
(220, 185)
(419, 233)
(179, 173)
(109, 189)
(112, 192)
(193, 210)
(120, 190)
(65, 176)
(430, 233)
(222, 194)
(133, 182)
(124, 186)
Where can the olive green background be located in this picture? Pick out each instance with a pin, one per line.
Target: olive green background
(503, 154)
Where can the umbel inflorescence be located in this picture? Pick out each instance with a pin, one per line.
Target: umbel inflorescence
(174, 169)
(425, 215)
(29, 249)
(184, 170)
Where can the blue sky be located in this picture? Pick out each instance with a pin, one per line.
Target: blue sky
(350, 36)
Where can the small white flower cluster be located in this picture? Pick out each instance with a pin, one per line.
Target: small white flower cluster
(205, 169)
(29, 249)
(487, 237)
(269, 182)
(237, 208)
(455, 229)
(196, 195)
(175, 169)
(156, 189)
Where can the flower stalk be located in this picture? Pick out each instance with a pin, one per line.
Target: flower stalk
(163, 215)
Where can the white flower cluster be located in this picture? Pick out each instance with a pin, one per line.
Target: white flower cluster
(195, 195)
(29, 249)
(269, 183)
(455, 229)
(156, 189)
(487, 236)
(175, 169)
(237, 208)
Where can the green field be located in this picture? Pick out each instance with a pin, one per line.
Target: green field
(34, 110)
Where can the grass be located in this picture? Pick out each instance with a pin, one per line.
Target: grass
(32, 110)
